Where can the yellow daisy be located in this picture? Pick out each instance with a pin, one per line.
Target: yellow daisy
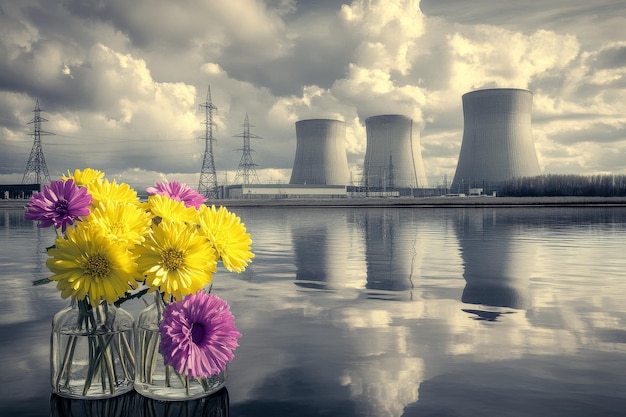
(85, 177)
(87, 264)
(124, 222)
(176, 260)
(228, 235)
(165, 208)
(105, 190)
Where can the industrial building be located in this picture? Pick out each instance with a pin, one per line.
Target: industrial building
(320, 153)
(280, 191)
(497, 142)
(393, 158)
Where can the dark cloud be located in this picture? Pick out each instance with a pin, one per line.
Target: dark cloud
(613, 57)
(598, 133)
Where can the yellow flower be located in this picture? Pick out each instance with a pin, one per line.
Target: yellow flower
(103, 190)
(167, 209)
(124, 222)
(228, 235)
(85, 177)
(176, 259)
(86, 263)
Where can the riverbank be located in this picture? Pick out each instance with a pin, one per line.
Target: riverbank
(480, 201)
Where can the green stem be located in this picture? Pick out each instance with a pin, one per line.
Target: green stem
(108, 362)
(66, 368)
(119, 349)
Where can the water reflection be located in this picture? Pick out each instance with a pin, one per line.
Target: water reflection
(321, 336)
(322, 246)
(335, 251)
(392, 252)
(13, 219)
(497, 261)
(132, 404)
(215, 405)
(120, 406)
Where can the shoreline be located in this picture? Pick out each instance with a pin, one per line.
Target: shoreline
(424, 202)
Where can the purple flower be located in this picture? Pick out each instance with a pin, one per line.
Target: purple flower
(179, 192)
(59, 204)
(198, 335)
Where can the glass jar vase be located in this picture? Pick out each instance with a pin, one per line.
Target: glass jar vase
(153, 379)
(92, 351)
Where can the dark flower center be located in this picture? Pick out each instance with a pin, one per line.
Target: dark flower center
(197, 333)
(61, 207)
(173, 259)
(97, 266)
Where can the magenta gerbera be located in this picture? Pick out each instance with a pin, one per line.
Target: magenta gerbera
(179, 192)
(59, 204)
(198, 335)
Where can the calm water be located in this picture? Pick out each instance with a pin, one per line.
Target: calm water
(381, 312)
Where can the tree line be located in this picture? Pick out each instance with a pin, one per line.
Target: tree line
(565, 185)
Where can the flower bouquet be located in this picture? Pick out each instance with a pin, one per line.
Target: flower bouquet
(99, 224)
(111, 248)
(186, 337)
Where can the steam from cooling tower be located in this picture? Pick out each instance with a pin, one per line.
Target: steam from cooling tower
(497, 142)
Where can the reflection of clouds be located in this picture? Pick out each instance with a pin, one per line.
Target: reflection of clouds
(384, 385)
(385, 372)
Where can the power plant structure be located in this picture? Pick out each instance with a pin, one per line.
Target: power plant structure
(320, 153)
(393, 158)
(497, 142)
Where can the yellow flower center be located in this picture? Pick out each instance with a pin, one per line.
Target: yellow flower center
(97, 266)
(172, 259)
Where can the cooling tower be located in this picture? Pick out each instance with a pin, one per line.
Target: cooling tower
(320, 153)
(497, 142)
(393, 158)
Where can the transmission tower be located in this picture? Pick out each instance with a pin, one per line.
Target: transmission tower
(246, 170)
(36, 170)
(391, 179)
(208, 178)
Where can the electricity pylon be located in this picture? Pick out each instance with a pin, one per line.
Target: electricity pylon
(246, 172)
(208, 177)
(36, 169)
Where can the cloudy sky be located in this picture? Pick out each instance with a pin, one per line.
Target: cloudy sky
(120, 82)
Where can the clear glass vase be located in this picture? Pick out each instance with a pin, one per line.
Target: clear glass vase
(92, 351)
(153, 379)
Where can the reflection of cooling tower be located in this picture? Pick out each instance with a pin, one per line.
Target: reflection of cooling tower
(320, 153)
(497, 263)
(322, 245)
(497, 143)
(392, 252)
(393, 158)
